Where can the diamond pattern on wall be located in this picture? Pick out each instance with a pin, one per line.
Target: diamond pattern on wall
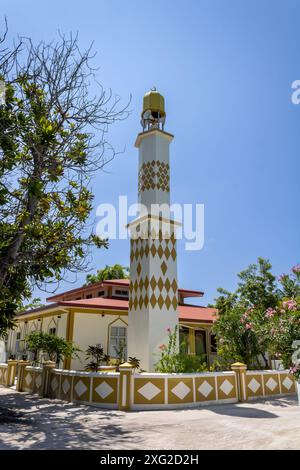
(149, 391)
(181, 390)
(104, 390)
(205, 388)
(288, 383)
(254, 385)
(271, 384)
(28, 379)
(154, 175)
(66, 386)
(141, 248)
(139, 269)
(38, 380)
(226, 387)
(54, 384)
(80, 388)
(154, 292)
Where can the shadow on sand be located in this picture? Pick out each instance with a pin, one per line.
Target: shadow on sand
(59, 425)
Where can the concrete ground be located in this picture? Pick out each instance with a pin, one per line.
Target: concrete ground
(53, 424)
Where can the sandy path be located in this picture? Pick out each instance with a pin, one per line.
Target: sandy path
(52, 424)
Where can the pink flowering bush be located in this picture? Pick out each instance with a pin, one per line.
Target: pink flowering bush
(295, 371)
(261, 316)
(290, 305)
(281, 329)
(173, 361)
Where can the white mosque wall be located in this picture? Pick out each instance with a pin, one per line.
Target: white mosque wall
(91, 329)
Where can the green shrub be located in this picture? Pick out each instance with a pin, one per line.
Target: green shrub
(172, 361)
(56, 348)
(97, 356)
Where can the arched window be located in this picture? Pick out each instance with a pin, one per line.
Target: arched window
(118, 341)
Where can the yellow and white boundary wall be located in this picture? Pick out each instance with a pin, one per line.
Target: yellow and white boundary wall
(8, 373)
(126, 390)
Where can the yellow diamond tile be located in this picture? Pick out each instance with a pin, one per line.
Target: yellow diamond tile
(163, 267)
(153, 283)
(167, 302)
(153, 300)
(160, 301)
(160, 284)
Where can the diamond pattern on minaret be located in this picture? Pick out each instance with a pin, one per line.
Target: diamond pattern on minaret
(153, 293)
(154, 175)
(160, 290)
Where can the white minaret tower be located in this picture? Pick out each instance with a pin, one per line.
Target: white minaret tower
(153, 296)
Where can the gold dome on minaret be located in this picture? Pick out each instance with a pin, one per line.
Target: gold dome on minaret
(153, 114)
(155, 102)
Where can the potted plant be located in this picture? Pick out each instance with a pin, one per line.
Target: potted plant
(135, 363)
(120, 354)
(97, 357)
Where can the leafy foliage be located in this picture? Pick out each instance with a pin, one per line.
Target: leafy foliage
(135, 362)
(172, 361)
(109, 272)
(54, 347)
(97, 356)
(52, 141)
(120, 353)
(35, 343)
(262, 315)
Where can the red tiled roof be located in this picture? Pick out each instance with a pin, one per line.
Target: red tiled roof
(195, 312)
(117, 282)
(186, 312)
(97, 302)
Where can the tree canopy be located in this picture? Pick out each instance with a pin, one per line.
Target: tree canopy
(54, 347)
(53, 139)
(261, 316)
(109, 272)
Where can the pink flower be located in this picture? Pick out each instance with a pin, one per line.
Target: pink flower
(294, 369)
(168, 330)
(296, 268)
(244, 317)
(248, 326)
(270, 312)
(290, 305)
(162, 347)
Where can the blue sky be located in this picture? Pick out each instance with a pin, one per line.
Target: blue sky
(225, 69)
